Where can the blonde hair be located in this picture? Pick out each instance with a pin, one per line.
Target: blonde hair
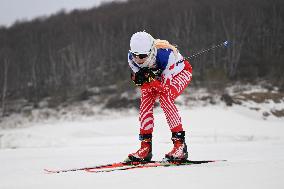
(164, 44)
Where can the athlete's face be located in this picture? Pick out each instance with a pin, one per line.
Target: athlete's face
(139, 60)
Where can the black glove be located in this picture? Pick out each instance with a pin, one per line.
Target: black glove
(144, 75)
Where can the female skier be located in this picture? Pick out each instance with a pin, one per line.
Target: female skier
(163, 73)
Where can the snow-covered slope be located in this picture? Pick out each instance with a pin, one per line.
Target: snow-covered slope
(252, 147)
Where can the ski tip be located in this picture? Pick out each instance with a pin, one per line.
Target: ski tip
(47, 171)
(220, 160)
(204, 161)
(226, 43)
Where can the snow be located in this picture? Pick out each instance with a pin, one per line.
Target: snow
(253, 148)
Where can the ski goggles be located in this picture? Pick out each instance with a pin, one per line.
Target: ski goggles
(141, 56)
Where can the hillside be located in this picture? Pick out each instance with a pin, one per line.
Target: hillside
(63, 56)
(263, 102)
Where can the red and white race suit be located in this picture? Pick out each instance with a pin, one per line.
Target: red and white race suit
(166, 90)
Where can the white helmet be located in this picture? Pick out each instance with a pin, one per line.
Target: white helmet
(141, 43)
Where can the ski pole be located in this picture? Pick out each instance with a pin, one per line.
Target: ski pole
(225, 44)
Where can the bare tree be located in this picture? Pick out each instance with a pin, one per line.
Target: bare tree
(5, 85)
(235, 29)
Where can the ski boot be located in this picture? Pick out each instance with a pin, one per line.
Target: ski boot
(179, 152)
(144, 154)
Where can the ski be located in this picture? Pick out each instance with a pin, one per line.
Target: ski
(110, 165)
(126, 166)
(149, 165)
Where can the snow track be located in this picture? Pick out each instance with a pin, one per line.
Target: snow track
(253, 148)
